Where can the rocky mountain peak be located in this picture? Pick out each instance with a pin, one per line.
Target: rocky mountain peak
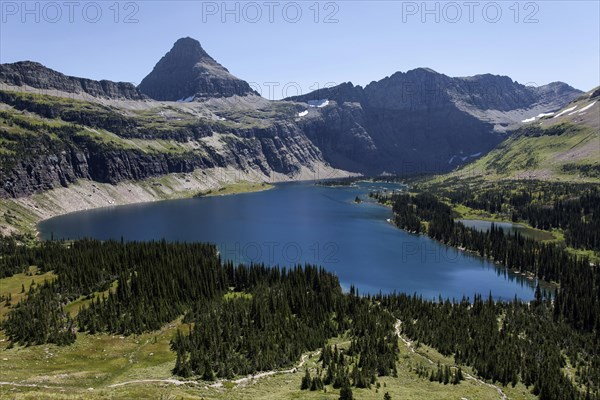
(187, 51)
(187, 72)
(423, 71)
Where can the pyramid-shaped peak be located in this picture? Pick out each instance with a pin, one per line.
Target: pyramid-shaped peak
(187, 72)
(188, 46)
(187, 42)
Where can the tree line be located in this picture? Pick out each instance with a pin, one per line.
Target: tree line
(504, 342)
(578, 296)
(572, 207)
(534, 341)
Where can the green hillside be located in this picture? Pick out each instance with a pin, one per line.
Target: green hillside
(564, 146)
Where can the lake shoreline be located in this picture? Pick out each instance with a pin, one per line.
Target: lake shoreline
(23, 215)
(520, 274)
(302, 223)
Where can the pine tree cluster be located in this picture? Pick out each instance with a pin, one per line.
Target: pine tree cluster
(577, 300)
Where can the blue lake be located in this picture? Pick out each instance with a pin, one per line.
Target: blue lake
(303, 223)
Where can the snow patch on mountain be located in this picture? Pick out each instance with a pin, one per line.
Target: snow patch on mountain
(542, 115)
(565, 111)
(587, 107)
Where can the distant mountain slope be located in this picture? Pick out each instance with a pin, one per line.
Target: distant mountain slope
(424, 121)
(187, 72)
(564, 145)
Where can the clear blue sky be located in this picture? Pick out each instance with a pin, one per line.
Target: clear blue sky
(369, 41)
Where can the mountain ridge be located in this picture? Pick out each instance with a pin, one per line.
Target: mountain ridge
(424, 120)
(38, 76)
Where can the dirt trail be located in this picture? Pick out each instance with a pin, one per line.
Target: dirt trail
(170, 381)
(29, 385)
(409, 346)
(240, 381)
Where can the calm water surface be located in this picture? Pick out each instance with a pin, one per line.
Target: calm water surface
(303, 223)
(507, 227)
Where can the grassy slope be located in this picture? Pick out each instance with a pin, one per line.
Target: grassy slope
(562, 146)
(15, 283)
(237, 188)
(88, 368)
(73, 307)
(538, 157)
(101, 136)
(14, 218)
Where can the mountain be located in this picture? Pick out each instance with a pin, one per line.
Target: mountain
(188, 72)
(424, 121)
(564, 145)
(58, 131)
(49, 142)
(36, 76)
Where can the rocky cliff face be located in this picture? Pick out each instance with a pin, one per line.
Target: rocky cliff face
(338, 131)
(51, 164)
(48, 156)
(42, 172)
(188, 72)
(28, 73)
